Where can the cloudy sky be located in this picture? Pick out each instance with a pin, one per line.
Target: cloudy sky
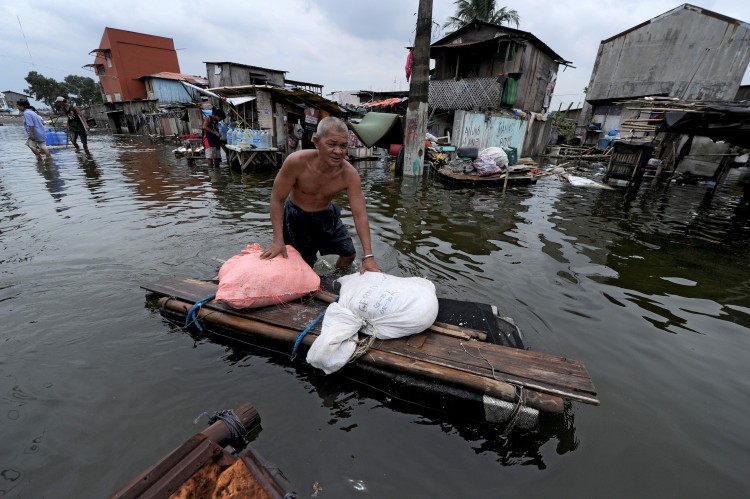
(343, 45)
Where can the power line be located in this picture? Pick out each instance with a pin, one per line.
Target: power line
(26, 42)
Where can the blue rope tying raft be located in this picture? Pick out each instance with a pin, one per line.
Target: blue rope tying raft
(307, 330)
(192, 318)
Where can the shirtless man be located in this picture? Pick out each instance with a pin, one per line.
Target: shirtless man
(302, 214)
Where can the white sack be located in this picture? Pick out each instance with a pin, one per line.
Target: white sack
(376, 304)
(498, 154)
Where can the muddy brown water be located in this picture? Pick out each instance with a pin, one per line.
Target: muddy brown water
(652, 295)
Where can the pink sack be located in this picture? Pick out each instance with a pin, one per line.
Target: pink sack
(246, 281)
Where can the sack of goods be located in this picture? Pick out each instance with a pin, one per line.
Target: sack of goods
(246, 281)
(498, 155)
(376, 304)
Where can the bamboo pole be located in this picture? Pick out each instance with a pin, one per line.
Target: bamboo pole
(391, 361)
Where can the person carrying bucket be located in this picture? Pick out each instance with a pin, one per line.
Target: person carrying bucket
(77, 125)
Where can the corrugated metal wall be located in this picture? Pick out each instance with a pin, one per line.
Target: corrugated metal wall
(170, 91)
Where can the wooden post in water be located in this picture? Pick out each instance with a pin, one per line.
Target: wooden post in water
(416, 113)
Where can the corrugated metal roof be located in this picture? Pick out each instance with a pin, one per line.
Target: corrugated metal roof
(303, 96)
(463, 44)
(245, 66)
(507, 32)
(685, 6)
(166, 75)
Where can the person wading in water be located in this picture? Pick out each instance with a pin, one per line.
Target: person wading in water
(77, 125)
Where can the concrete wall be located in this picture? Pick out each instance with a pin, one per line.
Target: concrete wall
(686, 53)
(481, 131)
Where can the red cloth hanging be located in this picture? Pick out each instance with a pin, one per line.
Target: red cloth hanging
(409, 62)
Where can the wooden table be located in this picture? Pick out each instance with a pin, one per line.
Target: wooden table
(247, 156)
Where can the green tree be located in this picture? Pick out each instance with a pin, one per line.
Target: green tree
(79, 89)
(85, 89)
(44, 89)
(565, 127)
(484, 10)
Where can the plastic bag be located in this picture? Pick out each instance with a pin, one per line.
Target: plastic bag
(246, 281)
(485, 165)
(498, 154)
(376, 304)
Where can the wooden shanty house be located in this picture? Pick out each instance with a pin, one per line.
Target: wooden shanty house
(685, 58)
(178, 109)
(492, 85)
(264, 99)
(11, 97)
(280, 111)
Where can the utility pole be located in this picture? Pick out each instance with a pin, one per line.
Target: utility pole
(416, 112)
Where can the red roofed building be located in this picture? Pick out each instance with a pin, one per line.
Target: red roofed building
(123, 57)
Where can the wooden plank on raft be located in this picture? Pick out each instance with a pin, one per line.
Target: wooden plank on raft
(543, 372)
(538, 371)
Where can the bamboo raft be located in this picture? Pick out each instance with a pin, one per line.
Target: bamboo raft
(201, 467)
(470, 360)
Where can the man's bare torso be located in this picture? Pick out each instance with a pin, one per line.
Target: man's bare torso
(315, 183)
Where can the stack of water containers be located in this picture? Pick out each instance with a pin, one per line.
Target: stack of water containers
(229, 134)
(56, 138)
(249, 137)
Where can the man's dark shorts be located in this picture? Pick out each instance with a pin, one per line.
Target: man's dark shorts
(319, 231)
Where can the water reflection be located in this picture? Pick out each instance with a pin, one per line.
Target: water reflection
(340, 394)
(586, 274)
(92, 174)
(54, 182)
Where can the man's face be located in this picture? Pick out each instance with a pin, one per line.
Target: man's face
(332, 147)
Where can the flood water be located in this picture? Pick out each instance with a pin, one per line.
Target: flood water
(652, 295)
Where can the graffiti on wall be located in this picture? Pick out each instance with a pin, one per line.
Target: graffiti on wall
(480, 131)
(472, 130)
